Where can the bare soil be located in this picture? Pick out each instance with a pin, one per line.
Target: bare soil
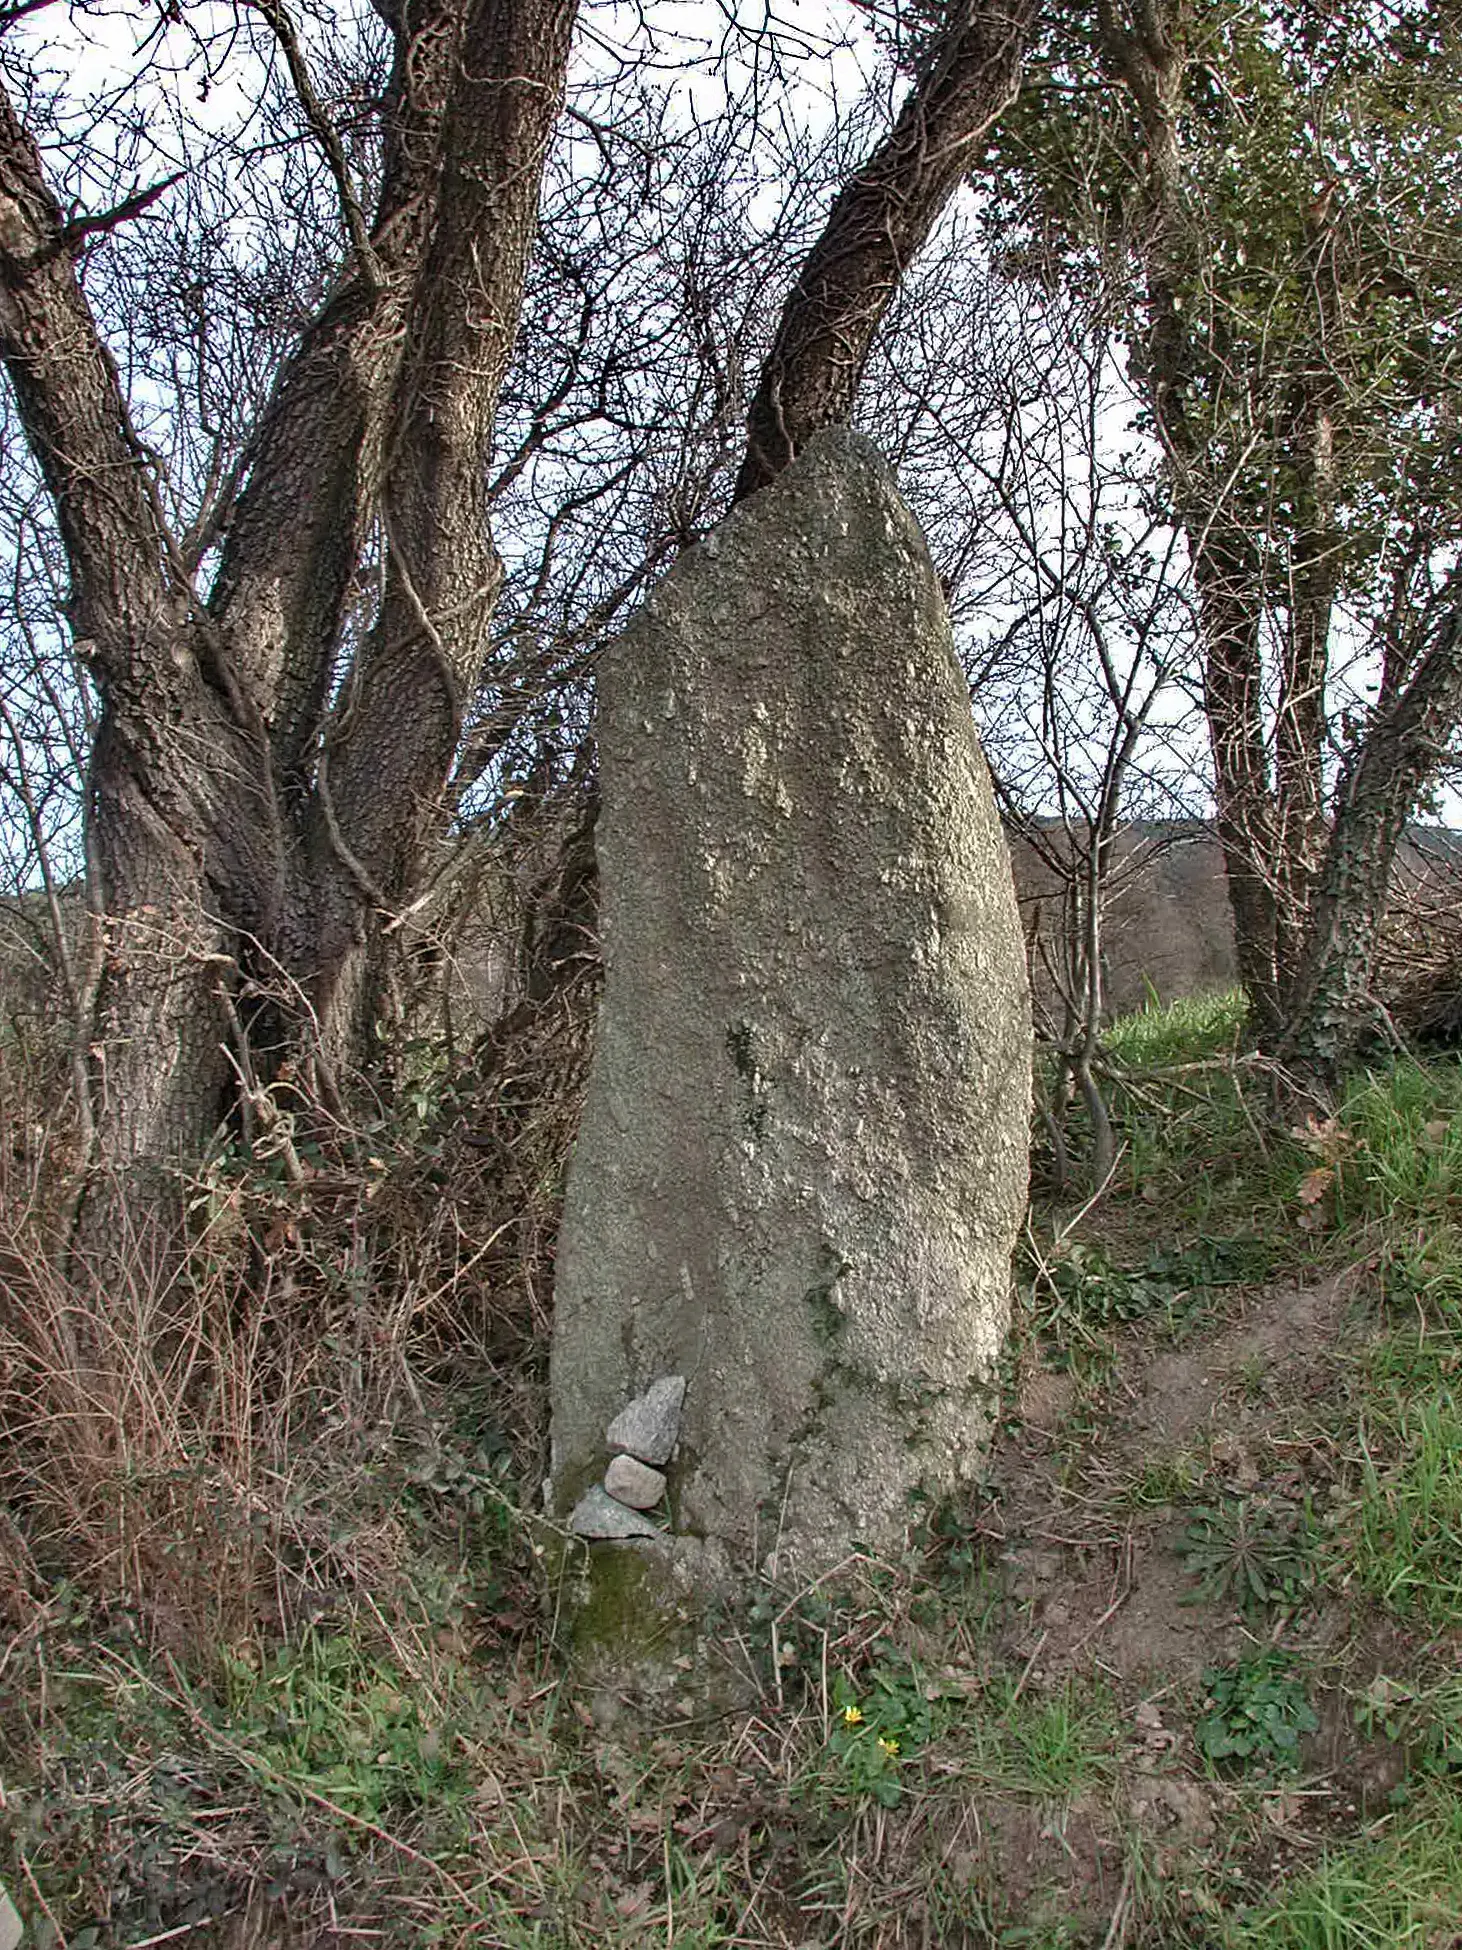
(1096, 1584)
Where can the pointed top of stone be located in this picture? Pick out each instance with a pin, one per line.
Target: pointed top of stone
(649, 1426)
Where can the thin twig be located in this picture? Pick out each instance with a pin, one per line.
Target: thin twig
(1030, 1665)
(1117, 1929)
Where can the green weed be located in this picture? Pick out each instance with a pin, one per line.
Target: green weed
(1085, 1286)
(953, 1543)
(1082, 1294)
(1254, 1714)
(328, 1716)
(877, 1728)
(1252, 1551)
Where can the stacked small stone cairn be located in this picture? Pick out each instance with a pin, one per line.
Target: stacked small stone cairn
(642, 1439)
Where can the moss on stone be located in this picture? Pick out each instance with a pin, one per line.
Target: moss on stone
(629, 1608)
(828, 1318)
(743, 1058)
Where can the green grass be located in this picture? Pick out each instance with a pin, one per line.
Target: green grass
(1199, 1147)
(330, 1715)
(1407, 1539)
(328, 1762)
(1188, 1031)
(1406, 1124)
(1425, 1715)
(1162, 1483)
(1050, 1744)
(1400, 1886)
(1378, 1188)
(1398, 1184)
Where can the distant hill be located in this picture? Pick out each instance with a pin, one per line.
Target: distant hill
(1167, 926)
(1167, 923)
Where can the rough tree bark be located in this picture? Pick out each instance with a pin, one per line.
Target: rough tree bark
(1299, 719)
(247, 832)
(881, 217)
(1408, 738)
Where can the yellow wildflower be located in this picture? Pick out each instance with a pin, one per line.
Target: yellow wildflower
(890, 1747)
(852, 1716)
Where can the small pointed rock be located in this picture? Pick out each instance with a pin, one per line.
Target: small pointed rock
(634, 1483)
(648, 1426)
(600, 1516)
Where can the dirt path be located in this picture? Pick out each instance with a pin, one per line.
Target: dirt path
(1095, 1578)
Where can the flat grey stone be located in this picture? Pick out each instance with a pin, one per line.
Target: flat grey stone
(634, 1483)
(11, 1927)
(650, 1425)
(600, 1516)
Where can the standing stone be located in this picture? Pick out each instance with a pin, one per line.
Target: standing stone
(802, 1161)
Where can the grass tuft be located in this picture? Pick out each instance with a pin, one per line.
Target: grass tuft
(1401, 1885)
(1407, 1538)
(1398, 1183)
(1192, 1030)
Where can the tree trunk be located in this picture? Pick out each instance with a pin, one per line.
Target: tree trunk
(177, 776)
(881, 217)
(387, 751)
(1299, 727)
(1226, 574)
(248, 841)
(1270, 821)
(1332, 1005)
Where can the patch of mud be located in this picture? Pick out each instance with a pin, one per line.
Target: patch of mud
(1127, 1610)
(1043, 1863)
(1157, 1629)
(1044, 1399)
